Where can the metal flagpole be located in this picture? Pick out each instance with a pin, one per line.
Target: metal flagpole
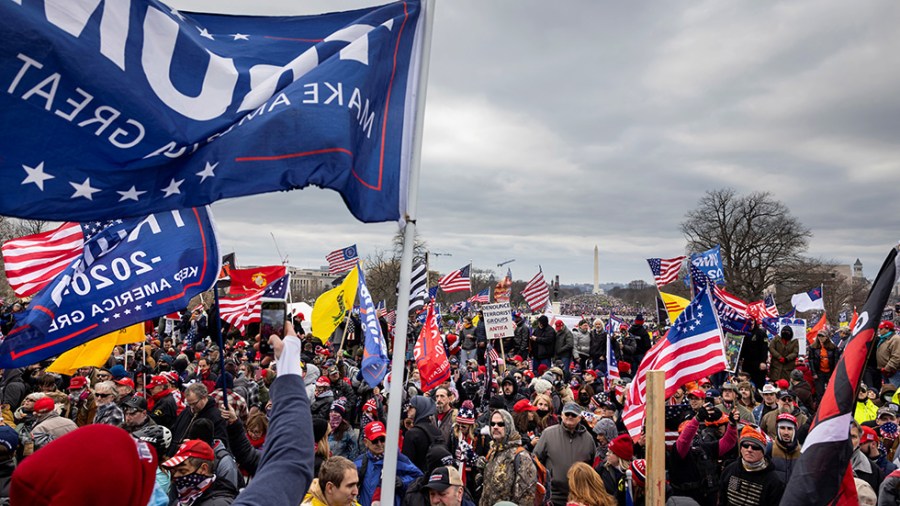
(395, 402)
(221, 346)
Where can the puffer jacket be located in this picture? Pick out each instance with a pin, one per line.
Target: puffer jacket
(582, 343)
(565, 343)
(510, 474)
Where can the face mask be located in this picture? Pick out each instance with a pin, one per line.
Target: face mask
(584, 399)
(188, 482)
(334, 420)
(543, 412)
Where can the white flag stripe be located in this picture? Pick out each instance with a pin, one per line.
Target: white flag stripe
(41, 272)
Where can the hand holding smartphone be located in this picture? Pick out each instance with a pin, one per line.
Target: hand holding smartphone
(272, 319)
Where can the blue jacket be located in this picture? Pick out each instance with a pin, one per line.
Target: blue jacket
(286, 468)
(406, 473)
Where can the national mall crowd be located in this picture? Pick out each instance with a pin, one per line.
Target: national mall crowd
(540, 426)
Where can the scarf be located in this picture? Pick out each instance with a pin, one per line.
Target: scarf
(257, 443)
(155, 397)
(756, 466)
(884, 338)
(860, 462)
(196, 485)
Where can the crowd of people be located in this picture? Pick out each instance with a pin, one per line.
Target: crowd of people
(541, 425)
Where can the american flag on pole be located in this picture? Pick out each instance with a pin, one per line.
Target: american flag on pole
(691, 349)
(342, 260)
(391, 316)
(493, 356)
(537, 292)
(482, 297)
(733, 312)
(771, 308)
(380, 309)
(612, 363)
(242, 311)
(456, 281)
(33, 261)
(665, 270)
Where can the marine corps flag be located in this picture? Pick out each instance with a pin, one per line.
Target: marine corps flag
(246, 281)
(823, 474)
(331, 307)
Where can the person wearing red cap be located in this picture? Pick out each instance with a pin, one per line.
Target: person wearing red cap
(370, 464)
(65, 471)
(48, 421)
(162, 406)
(194, 479)
(618, 460)
(786, 449)
(527, 422)
(324, 396)
(82, 404)
(750, 480)
(564, 348)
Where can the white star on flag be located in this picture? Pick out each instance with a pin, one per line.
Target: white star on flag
(240, 36)
(84, 189)
(148, 304)
(131, 194)
(177, 14)
(172, 189)
(205, 33)
(36, 175)
(106, 320)
(208, 171)
(127, 311)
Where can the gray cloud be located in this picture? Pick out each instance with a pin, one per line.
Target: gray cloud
(554, 127)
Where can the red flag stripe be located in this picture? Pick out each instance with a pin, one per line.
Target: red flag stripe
(537, 292)
(33, 261)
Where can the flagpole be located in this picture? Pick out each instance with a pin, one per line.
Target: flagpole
(395, 401)
(222, 347)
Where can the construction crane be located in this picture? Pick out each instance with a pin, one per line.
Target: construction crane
(511, 260)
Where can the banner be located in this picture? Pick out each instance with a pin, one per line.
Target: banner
(674, 304)
(498, 320)
(733, 344)
(96, 353)
(798, 326)
(331, 307)
(131, 271)
(431, 358)
(375, 358)
(249, 280)
(710, 263)
(130, 108)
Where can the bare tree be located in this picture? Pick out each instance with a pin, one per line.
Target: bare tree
(757, 235)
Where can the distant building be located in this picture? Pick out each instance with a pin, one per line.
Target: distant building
(307, 284)
(857, 269)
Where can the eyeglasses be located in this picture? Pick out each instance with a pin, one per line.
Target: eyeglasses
(379, 440)
(102, 396)
(103, 376)
(751, 446)
(498, 424)
(571, 415)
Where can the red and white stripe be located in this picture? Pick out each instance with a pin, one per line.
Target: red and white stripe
(668, 270)
(33, 261)
(456, 281)
(687, 360)
(537, 292)
(493, 356)
(242, 311)
(732, 301)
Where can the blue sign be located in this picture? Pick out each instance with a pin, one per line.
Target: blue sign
(710, 263)
(115, 109)
(375, 358)
(132, 270)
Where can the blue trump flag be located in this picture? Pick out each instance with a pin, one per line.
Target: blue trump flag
(131, 271)
(115, 109)
(710, 263)
(375, 359)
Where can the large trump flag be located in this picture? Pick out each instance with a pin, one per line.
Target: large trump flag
(121, 109)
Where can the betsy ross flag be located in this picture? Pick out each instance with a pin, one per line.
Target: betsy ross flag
(456, 281)
(691, 349)
(823, 474)
(665, 270)
(342, 260)
(33, 261)
(483, 296)
(733, 312)
(209, 107)
(537, 292)
(242, 311)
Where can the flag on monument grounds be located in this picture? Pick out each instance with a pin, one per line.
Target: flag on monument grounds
(537, 292)
(240, 105)
(612, 363)
(456, 281)
(482, 297)
(823, 475)
(342, 260)
(665, 270)
(691, 349)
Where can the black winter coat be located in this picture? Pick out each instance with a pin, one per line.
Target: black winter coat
(755, 350)
(598, 343)
(543, 346)
(419, 439)
(186, 419)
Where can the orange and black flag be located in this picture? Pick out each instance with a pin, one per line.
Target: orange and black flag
(227, 265)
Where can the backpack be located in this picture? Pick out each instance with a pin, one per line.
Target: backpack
(542, 485)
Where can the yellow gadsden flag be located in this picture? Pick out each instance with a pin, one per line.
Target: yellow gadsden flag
(329, 310)
(674, 304)
(97, 351)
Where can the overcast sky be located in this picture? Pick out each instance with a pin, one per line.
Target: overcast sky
(554, 126)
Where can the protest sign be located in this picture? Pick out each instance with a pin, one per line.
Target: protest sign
(498, 320)
(798, 325)
(733, 343)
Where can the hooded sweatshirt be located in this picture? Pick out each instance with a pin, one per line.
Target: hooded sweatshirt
(424, 433)
(510, 474)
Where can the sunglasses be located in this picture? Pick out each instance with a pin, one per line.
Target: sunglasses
(751, 446)
(498, 424)
(571, 415)
(379, 440)
(103, 396)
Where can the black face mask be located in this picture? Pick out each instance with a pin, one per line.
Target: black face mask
(584, 399)
(543, 412)
(532, 424)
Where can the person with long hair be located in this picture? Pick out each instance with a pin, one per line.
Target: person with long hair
(745, 395)
(546, 416)
(586, 488)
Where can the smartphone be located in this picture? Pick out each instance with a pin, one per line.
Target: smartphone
(272, 318)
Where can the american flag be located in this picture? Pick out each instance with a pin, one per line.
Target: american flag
(456, 281)
(537, 292)
(692, 349)
(733, 312)
(391, 316)
(245, 310)
(483, 296)
(771, 308)
(33, 261)
(612, 363)
(493, 356)
(342, 260)
(665, 270)
(380, 309)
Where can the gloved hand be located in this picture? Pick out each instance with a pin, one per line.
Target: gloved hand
(734, 416)
(702, 414)
(781, 360)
